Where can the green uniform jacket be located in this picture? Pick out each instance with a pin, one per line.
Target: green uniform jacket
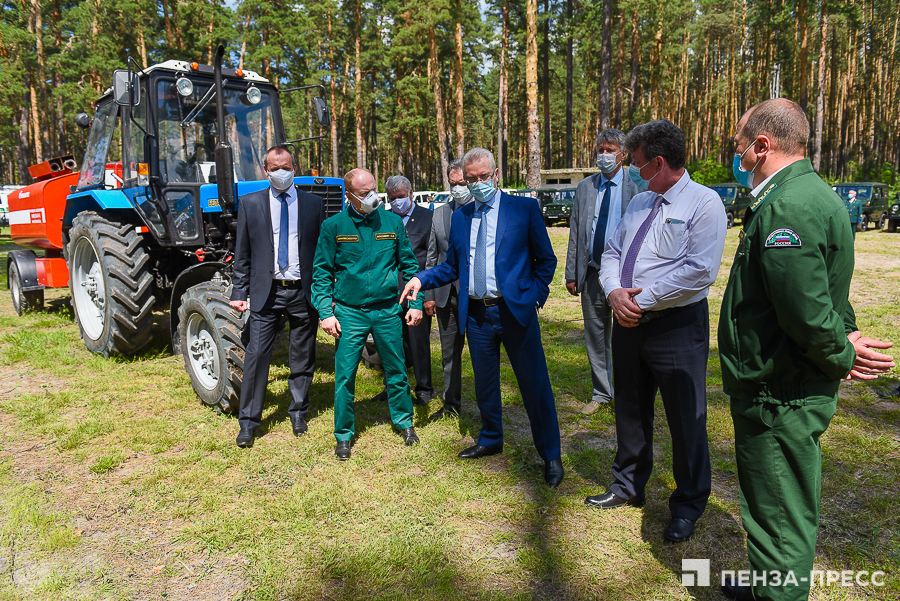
(786, 314)
(854, 209)
(358, 259)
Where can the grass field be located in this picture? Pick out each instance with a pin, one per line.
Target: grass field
(116, 483)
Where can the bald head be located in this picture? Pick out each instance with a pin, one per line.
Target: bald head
(359, 182)
(278, 157)
(781, 120)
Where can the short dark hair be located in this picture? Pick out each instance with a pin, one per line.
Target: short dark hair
(782, 120)
(660, 138)
(455, 165)
(278, 149)
(613, 136)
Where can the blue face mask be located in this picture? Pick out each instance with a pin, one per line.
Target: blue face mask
(744, 178)
(483, 191)
(635, 173)
(401, 206)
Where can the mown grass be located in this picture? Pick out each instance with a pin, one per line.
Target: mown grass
(116, 483)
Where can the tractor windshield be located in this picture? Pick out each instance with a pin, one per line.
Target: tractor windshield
(187, 149)
(93, 168)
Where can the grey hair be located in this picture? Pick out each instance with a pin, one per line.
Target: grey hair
(395, 182)
(611, 136)
(476, 154)
(782, 120)
(455, 165)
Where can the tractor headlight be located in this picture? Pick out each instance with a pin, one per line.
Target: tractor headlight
(184, 86)
(253, 95)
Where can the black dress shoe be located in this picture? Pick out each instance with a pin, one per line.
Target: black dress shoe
(679, 530)
(553, 472)
(299, 425)
(444, 412)
(478, 451)
(733, 590)
(409, 436)
(610, 500)
(381, 396)
(342, 450)
(421, 400)
(245, 437)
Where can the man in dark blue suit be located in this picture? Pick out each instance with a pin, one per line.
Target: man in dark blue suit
(501, 254)
(277, 231)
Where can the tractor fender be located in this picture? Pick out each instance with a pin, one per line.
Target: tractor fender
(26, 261)
(94, 200)
(196, 274)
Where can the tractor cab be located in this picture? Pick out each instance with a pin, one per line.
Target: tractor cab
(156, 146)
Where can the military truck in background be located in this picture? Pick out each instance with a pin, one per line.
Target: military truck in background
(875, 202)
(893, 217)
(735, 199)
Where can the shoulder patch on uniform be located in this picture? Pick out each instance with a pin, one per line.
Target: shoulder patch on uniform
(783, 237)
(386, 236)
(342, 239)
(762, 196)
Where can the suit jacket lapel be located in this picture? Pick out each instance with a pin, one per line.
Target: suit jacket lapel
(590, 207)
(267, 216)
(502, 220)
(299, 217)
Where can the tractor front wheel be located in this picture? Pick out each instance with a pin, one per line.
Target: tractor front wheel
(212, 344)
(111, 285)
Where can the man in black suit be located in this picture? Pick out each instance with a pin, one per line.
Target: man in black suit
(278, 228)
(416, 339)
(446, 298)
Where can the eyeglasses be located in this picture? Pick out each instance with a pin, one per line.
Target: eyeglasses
(476, 180)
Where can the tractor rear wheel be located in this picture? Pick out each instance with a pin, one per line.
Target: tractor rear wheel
(23, 301)
(111, 285)
(212, 344)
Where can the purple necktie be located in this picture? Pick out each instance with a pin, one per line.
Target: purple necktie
(627, 278)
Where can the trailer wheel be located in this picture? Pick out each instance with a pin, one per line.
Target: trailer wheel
(212, 344)
(111, 285)
(23, 301)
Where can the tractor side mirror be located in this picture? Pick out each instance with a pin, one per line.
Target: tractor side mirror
(322, 112)
(83, 120)
(126, 87)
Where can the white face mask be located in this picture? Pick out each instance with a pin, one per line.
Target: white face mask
(401, 206)
(607, 162)
(281, 179)
(367, 204)
(460, 194)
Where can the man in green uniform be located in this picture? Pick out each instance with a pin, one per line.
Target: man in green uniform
(787, 337)
(361, 252)
(854, 208)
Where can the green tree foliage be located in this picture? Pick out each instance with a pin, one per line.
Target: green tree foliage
(700, 63)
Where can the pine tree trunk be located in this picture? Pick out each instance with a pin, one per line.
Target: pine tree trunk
(531, 88)
(503, 126)
(434, 73)
(360, 138)
(635, 64)
(620, 65)
(802, 7)
(62, 145)
(820, 102)
(545, 84)
(569, 82)
(335, 158)
(459, 86)
(23, 148)
(168, 22)
(605, 60)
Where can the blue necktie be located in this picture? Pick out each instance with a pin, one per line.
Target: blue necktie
(600, 230)
(283, 233)
(481, 254)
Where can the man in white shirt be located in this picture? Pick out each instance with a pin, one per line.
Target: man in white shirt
(600, 203)
(656, 270)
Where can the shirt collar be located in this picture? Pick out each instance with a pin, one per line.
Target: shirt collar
(758, 189)
(291, 193)
(677, 188)
(616, 179)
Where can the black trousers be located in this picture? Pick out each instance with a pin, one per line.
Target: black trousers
(669, 355)
(451, 350)
(263, 326)
(417, 349)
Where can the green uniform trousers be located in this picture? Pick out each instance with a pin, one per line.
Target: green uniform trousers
(383, 321)
(780, 473)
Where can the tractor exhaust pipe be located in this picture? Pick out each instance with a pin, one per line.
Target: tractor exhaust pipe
(224, 152)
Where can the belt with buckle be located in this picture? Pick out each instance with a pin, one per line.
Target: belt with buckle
(487, 302)
(647, 316)
(287, 283)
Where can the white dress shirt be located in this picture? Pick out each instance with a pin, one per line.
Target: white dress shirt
(292, 272)
(493, 290)
(682, 252)
(614, 216)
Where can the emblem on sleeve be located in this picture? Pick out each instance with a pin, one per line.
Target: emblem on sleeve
(783, 237)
